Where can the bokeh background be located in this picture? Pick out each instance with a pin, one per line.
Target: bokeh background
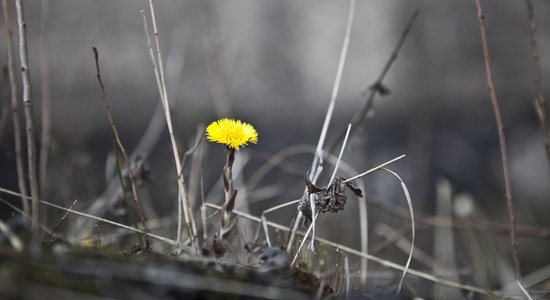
(273, 64)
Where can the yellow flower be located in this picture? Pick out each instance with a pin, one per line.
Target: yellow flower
(232, 133)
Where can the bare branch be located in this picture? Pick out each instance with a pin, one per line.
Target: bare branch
(501, 138)
(131, 175)
(16, 114)
(27, 102)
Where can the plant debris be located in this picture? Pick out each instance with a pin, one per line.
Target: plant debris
(328, 199)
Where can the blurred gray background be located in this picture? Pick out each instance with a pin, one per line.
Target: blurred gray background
(273, 64)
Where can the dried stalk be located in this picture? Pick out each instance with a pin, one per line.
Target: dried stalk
(158, 66)
(501, 138)
(27, 102)
(131, 175)
(15, 114)
(540, 102)
(61, 220)
(318, 155)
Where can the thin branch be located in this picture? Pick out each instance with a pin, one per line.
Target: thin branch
(131, 175)
(318, 156)
(62, 219)
(27, 102)
(274, 208)
(524, 291)
(377, 87)
(340, 155)
(501, 138)
(413, 229)
(16, 114)
(153, 236)
(335, 88)
(540, 103)
(311, 245)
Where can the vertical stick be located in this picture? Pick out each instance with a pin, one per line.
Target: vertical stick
(15, 114)
(27, 102)
(318, 155)
(122, 149)
(501, 138)
(182, 195)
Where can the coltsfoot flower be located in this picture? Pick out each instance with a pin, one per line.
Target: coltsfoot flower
(232, 133)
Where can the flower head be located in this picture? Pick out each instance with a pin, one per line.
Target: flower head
(232, 133)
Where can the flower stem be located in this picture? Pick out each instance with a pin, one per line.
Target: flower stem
(230, 192)
(226, 222)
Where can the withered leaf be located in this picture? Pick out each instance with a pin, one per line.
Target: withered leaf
(357, 191)
(311, 188)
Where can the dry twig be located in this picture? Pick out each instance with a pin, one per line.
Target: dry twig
(158, 67)
(501, 138)
(131, 175)
(316, 166)
(27, 102)
(15, 114)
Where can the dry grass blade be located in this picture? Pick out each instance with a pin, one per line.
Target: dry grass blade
(344, 143)
(524, 291)
(62, 219)
(501, 138)
(199, 137)
(373, 258)
(264, 219)
(158, 67)
(149, 235)
(529, 280)
(21, 181)
(302, 244)
(346, 272)
(280, 157)
(131, 175)
(409, 203)
(444, 240)
(15, 241)
(318, 156)
(315, 215)
(27, 102)
(374, 169)
(154, 236)
(393, 236)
